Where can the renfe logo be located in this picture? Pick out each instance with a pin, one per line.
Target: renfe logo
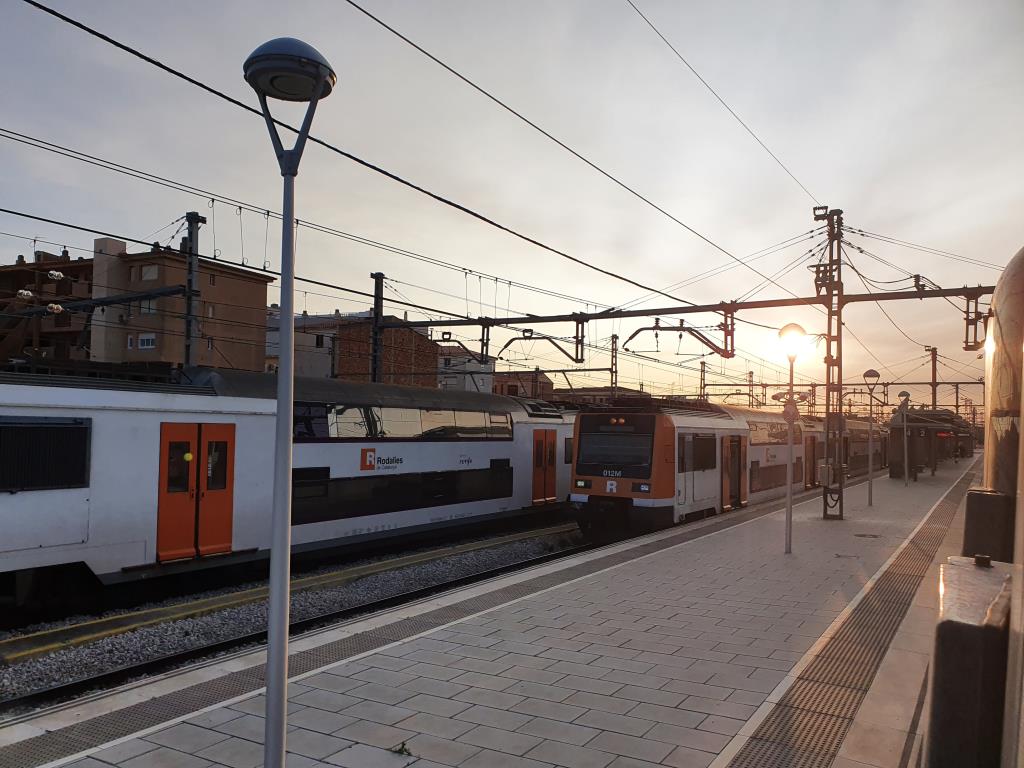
(367, 459)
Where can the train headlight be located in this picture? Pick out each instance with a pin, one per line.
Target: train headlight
(582, 483)
(641, 487)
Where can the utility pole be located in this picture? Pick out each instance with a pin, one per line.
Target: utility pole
(828, 282)
(934, 351)
(375, 329)
(750, 389)
(615, 365)
(956, 391)
(193, 220)
(703, 392)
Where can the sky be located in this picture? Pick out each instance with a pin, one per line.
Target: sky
(905, 115)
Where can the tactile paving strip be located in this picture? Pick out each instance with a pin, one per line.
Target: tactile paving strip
(102, 729)
(807, 726)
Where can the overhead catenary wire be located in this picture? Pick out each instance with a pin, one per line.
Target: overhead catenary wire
(888, 317)
(722, 101)
(614, 179)
(310, 281)
(924, 248)
(206, 195)
(337, 150)
(365, 163)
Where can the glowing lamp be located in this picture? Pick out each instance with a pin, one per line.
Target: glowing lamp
(793, 339)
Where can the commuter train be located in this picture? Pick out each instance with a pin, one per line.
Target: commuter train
(643, 468)
(134, 480)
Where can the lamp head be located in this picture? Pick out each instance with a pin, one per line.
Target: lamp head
(793, 339)
(289, 69)
(904, 395)
(871, 377)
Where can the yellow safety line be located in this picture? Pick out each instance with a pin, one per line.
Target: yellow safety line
(150, 616)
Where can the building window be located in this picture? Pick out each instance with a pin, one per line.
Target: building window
(209, 311)
(209, 343)
(513, 390)
(319, 341)
(38, 453)
(147, 341)
(213, 279)
(447, 362)
(148, 272)
(131, 274)
(131, 342)
(147, 307)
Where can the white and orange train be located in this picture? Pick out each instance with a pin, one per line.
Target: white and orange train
(648, 467)
(129, 481)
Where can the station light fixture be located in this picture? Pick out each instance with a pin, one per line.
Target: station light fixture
(289, 70)
(793, 339)
(871, 377)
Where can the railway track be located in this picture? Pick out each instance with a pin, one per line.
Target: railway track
(119, 675)
(23, 647)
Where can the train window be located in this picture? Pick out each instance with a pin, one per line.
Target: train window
(317, 498)
(400, 423)
(471, 424)
(568, 450)
(39, 453)
(178, 462)
(681, 454)
(349, 423)
(309, 421)
(499, 425)
(216, 465)
(705, 454)
(438, 423)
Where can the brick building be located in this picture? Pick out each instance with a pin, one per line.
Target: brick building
(408, 355)
(230, 310)
(526, 384)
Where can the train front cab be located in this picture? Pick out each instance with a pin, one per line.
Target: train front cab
(638, 472)
(623, 476)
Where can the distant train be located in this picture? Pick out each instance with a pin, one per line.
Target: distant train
(129, 480)
(652, 466)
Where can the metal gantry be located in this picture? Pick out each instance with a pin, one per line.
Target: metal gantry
(829, 296)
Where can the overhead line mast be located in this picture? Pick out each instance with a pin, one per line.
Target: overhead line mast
(828, 284)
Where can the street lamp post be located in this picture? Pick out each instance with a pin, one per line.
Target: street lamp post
(904, 409)
(792, 337)
(871, 379)
(289, 70)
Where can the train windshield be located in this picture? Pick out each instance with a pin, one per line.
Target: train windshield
(615, 446)
(617, 450)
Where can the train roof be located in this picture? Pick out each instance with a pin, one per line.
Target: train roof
(231, 383)
(217, 382)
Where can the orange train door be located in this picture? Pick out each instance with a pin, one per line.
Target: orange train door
(550, 494)
(176, 510)
(216, 488)
(744, 473)
(544, 466)
(726, 472)
(810, 460)
(195, 497)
